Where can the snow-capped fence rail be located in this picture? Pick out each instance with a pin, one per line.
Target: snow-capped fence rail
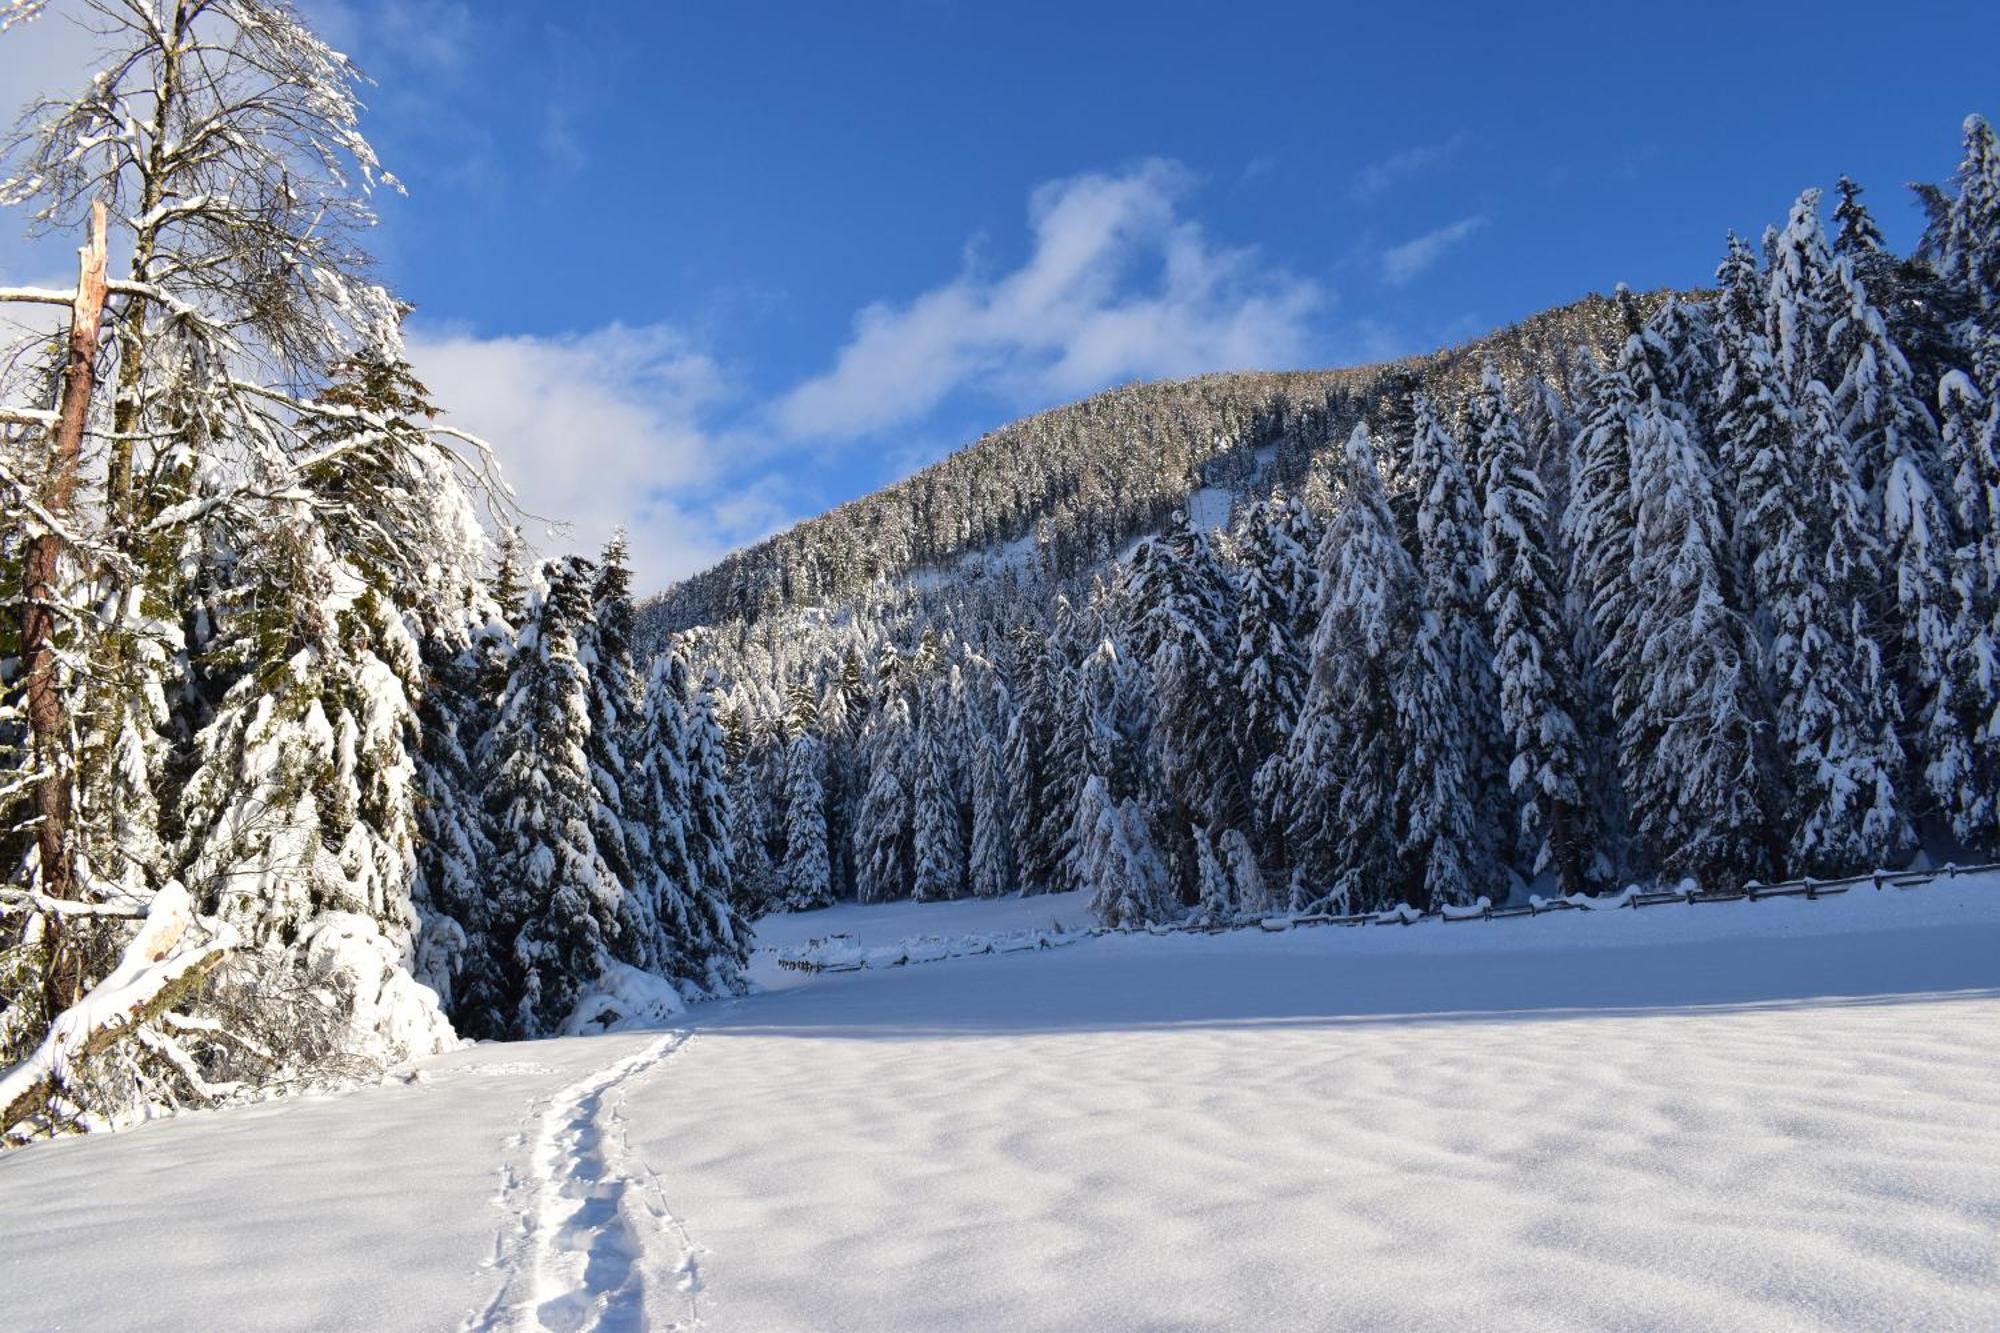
(843, 953)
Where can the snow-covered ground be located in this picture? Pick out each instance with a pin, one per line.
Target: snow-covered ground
(1772, 1115)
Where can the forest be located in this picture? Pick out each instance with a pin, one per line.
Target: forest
(1693, 586)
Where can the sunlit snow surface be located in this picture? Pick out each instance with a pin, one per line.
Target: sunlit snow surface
(1768, 1115)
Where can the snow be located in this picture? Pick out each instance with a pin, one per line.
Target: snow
(1773, 1115)
(1208, 508)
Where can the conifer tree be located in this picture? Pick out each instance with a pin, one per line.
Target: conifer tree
(1274, 607)
(991, 856)
(1963, 239)
(1341, 766)
(556, 902)
(1688, 708)
(808, 871)
(1835, 710)
(882, 835)
(1537, 681)
(604, 647)
(1123, 868)
(1215, 896)
(937, 842)
(709, 818)
(1453, 780)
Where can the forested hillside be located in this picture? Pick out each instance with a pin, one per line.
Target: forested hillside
(1699, 586)
(1075, 484)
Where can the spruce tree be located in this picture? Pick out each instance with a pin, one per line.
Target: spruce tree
(1835, 710)
(1963, 240)
(1122, 867)
(709, 818)
(1342, 764)
(1273, 623)
(1531, 659)
(808, 870)
(882, 857)
(604, 647)
(937, 841)
(1453, 782)
(1688, 707)
(556, 902)
(991, 855)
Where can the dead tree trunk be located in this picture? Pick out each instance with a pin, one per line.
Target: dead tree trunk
(48, 721)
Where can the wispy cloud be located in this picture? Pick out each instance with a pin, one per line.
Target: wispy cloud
(606, 429)
(1403, 262)
(1379, 177)
(643, 427)
(1118, 284)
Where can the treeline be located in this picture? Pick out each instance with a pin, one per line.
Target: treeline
(1720, 604)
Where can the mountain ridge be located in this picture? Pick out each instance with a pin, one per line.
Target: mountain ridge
(1059, 475)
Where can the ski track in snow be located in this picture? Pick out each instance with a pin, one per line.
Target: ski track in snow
(587, 1217)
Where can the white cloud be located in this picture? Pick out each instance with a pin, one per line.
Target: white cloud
(600, 430)
(1404, 262)
(1117, 285)
(1378, 177)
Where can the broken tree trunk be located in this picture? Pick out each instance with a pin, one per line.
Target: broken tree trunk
(48, 721)
(160, 967)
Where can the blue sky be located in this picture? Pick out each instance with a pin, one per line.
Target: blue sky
(708, 268)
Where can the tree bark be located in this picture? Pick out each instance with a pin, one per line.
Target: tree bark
(48, 720)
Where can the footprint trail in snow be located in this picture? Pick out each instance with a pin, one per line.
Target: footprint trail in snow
(589, 1232)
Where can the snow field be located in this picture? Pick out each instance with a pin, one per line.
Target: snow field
(1773, 1115)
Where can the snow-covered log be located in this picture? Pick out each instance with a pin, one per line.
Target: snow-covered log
(166, 960)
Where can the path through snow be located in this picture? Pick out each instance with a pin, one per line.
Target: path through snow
(589, 1237)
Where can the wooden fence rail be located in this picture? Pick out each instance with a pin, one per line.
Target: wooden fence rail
(1401, 915)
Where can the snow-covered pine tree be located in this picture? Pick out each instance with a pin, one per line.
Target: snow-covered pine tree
(808, 870)
(1799, 285)
(1275, 595)
(756, 884)
(604, 649)
(708, 818)
(1215, 895)
(556, 903)
(298, 820)
(1537, 681)
(454, 850)
(1876, 401)
(1124, 870)
(1342, 763)
(1924, 648)
(1045, 762)
(1751, 417)
(1548, 429)
(656, 799)
(1178, 599)
(1687, 698)
(1963, 240)
(1246, 878)
(991, 856)
(1455, 807)
(1960, 748)
(1601, 522)
(882, 855)
(510, 577)
(1835, 711)
(937, 838)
